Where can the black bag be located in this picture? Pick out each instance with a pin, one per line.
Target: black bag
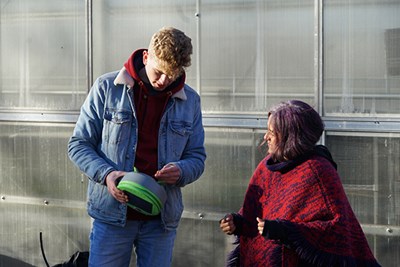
(78, 259)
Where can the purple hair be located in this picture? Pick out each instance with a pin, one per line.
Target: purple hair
(298, 128)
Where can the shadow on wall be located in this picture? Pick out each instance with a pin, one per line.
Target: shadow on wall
(8, 261)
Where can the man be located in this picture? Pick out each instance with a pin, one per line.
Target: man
(146, 118)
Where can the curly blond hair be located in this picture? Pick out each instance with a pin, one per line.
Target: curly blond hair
(171, 49)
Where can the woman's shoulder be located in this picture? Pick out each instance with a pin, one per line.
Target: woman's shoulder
(320, 161)
(322, 167)
(263, 163)
(261, 170)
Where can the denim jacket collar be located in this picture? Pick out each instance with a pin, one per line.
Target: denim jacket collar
(124, 78)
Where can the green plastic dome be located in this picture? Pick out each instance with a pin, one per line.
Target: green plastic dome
(144, 193)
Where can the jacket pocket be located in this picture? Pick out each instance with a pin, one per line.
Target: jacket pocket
(102, 205)
(117, 125)
(180, 131)
(173, 207)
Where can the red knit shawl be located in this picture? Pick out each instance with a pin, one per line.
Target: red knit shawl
(310, 202)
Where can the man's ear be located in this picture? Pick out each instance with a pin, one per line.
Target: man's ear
(145, 57)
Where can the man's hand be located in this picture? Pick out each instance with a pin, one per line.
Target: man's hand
(112, 187)
(169, 174)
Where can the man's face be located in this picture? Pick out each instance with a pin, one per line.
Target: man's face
(157, 78)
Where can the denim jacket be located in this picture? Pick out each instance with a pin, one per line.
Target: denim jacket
(105, 139)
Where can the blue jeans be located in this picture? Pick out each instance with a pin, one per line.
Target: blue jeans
(112, 246)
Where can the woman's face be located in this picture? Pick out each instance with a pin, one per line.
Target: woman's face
(270, 138)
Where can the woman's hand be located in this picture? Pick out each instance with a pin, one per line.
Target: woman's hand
(227, 225)
(260, 225)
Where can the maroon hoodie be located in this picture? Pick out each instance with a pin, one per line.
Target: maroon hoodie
(149, 106)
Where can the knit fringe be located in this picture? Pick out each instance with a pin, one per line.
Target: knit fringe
(233, 258)
(319, 258)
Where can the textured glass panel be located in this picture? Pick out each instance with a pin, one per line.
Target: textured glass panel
(362, 57)
(120, 27)
(232, 155)
(260, 53)
(252, 54)
(231, 160)
(369, 168)
(40, 192)
(65, 231)
(201, 243)
(387, 251)
(43, 54)
(33, 158)
(255, 53)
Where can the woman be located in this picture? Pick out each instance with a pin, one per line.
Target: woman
(295, 211)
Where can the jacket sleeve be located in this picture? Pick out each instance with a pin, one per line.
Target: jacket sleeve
(192, 162)
(82, 146)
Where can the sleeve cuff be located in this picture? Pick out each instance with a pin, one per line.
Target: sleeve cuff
(273, 229)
